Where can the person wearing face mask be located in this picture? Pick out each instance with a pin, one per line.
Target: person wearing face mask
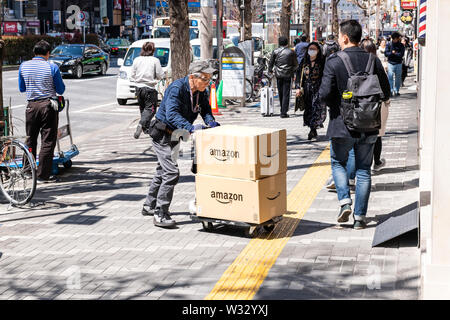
(184, 99)
(315, 112)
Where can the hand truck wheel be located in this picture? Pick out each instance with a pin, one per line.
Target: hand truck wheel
(207, 226)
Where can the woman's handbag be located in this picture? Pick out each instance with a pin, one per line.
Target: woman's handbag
(299, 101)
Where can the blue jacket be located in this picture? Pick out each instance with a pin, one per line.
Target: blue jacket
(176, 109)
(397, 57)
(300, 50)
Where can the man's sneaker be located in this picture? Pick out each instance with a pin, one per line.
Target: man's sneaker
(358, 225)
(346, 211)
(51, 179)
(382, 164)
(138, 131)
(330, 184)
(146, 211)
(163, 219)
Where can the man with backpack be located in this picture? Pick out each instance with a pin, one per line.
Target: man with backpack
(353, 85)
(330, 47)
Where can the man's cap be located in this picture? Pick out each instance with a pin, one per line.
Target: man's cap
(201, 66)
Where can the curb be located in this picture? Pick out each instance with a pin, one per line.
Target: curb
(10, 68)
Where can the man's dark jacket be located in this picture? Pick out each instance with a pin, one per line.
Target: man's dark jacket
(397, 57)
(284, 61)
(334, 83)
(176, 107)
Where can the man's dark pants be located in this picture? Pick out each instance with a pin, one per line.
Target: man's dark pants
(148, 101)
(167, 174)
(284, 93)
(42, 118)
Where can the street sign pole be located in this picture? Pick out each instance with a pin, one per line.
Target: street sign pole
(219, 30)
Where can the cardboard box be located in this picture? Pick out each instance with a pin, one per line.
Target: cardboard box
(241, 200)
(241, 152)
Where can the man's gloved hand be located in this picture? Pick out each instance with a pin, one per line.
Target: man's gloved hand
(196, 127)
(213, 124)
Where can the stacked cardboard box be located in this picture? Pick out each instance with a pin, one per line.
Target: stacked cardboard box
(241, 173)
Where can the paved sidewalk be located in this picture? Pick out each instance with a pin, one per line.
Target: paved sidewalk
(85, 238)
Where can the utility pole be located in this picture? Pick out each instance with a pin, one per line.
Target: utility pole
(377, 21)
(206, 33)
(219, 30)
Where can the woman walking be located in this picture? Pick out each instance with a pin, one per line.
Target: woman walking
(378, 162)
(312, 69)
(380, 54)
(145, 73)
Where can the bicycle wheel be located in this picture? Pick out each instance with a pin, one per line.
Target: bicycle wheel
(17, 173)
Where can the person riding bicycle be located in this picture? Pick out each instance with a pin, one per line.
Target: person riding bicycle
(184, 99)
(145, 72)
(41, 80)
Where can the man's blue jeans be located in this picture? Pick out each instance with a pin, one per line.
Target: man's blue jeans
(363, 148)
(395, 70)
(351, 170)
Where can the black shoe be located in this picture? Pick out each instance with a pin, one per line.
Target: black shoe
(146, 211)
(138, 131)
(284, 116)
(163, 219)
(51, 179)
(345, 212)
(310, 135)
(358, 225)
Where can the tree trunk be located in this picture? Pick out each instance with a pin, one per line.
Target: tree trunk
(377, 20)
(2, 44)
(335, 17)
(285, 18)
(306, 17)
(248, 19)
(179, 38)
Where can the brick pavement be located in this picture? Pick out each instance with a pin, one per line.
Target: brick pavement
(84, 238)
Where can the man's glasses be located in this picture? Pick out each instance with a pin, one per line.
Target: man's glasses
(204, 79)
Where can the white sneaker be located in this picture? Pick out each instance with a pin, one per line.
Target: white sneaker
(377, 167)
(351, 182)
(330, 184)
(192, 207)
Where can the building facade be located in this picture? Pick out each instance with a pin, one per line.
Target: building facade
(19, 17)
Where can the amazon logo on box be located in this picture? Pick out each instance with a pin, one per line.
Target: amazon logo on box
(241, 199)
(241, 152)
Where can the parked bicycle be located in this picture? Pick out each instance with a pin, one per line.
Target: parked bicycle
(17, 167)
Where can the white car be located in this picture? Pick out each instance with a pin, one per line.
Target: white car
(126, 89)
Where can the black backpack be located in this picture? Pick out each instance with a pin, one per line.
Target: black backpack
(361, 101)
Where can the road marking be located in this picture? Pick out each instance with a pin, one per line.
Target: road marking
(95, 107)
(14, 78)
(93, 79)
(246, 274)
(18, 106)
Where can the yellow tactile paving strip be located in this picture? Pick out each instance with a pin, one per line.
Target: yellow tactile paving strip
(245, 275)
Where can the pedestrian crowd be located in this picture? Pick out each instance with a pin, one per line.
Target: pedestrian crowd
(352, 77)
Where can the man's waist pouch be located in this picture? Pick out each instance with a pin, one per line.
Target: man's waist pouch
(160, 126)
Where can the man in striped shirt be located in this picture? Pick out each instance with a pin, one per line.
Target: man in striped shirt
(41, 80)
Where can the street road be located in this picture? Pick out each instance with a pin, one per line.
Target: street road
(93, 104)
